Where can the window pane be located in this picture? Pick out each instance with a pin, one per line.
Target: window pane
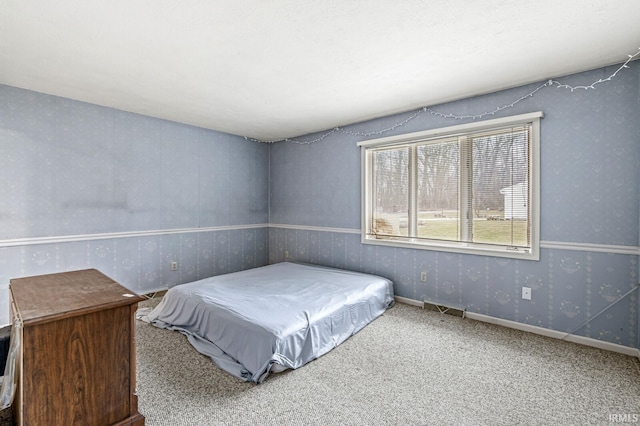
(391, 192)
(500, 189)
(438, 190)
(465, 188)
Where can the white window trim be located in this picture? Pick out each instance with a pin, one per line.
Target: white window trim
(455, 246)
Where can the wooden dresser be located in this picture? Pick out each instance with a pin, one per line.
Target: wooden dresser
(76, 363)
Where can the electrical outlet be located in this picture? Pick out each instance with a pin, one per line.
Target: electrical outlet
(423, 276)
(286, 254)
(526, 293)
(174, 266)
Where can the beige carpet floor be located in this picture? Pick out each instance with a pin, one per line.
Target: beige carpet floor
(408, 367)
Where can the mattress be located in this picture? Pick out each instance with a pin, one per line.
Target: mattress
(276, 317)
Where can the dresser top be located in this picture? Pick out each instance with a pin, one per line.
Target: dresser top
(51, 297)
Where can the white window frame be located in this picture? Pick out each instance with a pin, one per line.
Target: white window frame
(367, 148)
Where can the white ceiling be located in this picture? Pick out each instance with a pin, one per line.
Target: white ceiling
(270, 69)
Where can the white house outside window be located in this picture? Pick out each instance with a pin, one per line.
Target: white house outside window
(472, 188)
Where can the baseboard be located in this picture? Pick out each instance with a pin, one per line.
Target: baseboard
(587, 341)
(408, 301)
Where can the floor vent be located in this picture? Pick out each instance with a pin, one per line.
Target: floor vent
(449, 309)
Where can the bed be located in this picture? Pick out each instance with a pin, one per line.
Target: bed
(269, 319)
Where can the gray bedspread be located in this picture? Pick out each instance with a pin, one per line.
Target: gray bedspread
(274, 317)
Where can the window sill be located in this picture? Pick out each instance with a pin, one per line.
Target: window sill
(455, 247)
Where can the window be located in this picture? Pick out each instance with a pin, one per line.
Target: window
(472, 188)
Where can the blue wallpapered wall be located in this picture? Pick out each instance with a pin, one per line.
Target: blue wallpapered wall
(140, 263)
(590, 186)
(74, 169)
(77, 171)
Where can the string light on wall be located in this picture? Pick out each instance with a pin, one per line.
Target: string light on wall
(549, 83)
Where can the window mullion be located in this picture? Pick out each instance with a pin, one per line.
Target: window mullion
(413, 191)
(465, 190)
(369, 188)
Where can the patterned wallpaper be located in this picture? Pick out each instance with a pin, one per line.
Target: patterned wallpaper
(590, 186)
(143, 263)
(73, 168)
(568, 286)
(85, 186)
